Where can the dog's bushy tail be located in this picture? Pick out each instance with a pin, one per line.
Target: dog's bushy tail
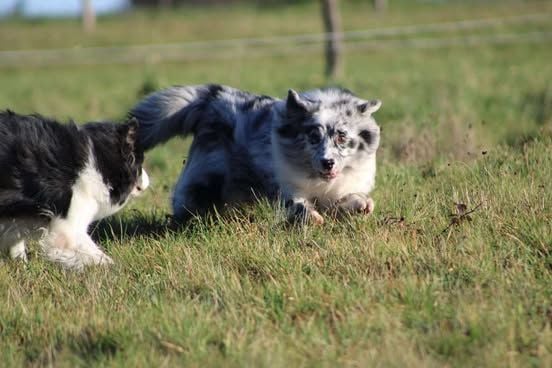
(171, 112)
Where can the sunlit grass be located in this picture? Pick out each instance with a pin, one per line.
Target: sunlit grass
(424, 281)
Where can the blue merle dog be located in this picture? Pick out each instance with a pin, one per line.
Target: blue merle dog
(315, 150)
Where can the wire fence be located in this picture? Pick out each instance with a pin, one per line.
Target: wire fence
(381, 38)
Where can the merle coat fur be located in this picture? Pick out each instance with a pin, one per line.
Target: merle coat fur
(314, 150)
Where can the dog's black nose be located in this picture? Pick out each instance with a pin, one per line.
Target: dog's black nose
(327, 164)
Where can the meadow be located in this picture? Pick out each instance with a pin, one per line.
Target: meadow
(454, 268)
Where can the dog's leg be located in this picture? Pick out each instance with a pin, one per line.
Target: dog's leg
(200, 188)
(301, 211)
(17, 251)
(12, 237)
(71, 247)
(197, 195)
(67, 241)
(356, 203)
(92, 252)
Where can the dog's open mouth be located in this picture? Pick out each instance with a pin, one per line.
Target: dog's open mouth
(328, 175)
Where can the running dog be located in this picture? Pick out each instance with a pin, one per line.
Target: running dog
(58, 178)
(314, 150)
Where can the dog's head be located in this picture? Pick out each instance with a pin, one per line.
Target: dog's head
(132, 153)
(326, 132)
(119, 158)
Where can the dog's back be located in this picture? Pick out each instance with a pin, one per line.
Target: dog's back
(230, 158)
(39, 160)
(203, 109)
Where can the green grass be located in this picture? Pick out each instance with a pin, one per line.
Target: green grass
(415, 284)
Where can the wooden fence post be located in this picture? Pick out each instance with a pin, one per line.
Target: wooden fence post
(88, 16)
(380, 5)
(334, 40)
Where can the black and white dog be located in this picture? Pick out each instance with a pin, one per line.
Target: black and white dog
(315, 150)
(55, 179)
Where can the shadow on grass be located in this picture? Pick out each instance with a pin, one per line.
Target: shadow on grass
(92, 345)
(136, 224)
(154, 225)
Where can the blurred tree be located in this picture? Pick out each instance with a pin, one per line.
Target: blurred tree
(332, 25)
(88, 16)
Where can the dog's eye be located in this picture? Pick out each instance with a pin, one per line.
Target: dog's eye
(341, 138)
(314, 136)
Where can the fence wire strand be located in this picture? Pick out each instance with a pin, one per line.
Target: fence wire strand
(381, 38)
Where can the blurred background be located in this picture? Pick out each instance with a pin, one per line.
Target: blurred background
(456, 77)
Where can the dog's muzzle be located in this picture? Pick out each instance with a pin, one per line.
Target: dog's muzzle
(143, 183)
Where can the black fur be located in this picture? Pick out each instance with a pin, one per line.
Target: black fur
(40, 161)
(261, 118)
(289, 131)
(207, 195)
(367, 136)
(253, 103)
(213, 91)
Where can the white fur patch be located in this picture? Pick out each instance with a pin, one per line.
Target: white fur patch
(360, 179)
(71, 248)
(68, 242)
(143, 183)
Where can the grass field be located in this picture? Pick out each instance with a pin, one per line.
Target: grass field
(424, 281)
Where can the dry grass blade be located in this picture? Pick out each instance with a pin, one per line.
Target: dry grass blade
(462, 214)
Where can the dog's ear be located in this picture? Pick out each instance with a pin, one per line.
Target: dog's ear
(129, 134)
(369, 107)
(296, 105)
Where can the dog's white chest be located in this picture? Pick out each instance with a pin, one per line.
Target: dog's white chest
(325, 193)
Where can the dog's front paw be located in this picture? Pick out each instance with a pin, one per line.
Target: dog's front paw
(313, 216)
(73, 252)
(303, 213)
(92, 254)
(356, 203)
